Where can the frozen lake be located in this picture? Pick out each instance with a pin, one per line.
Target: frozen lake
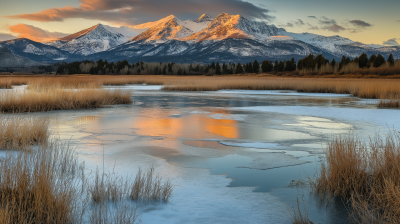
(232, 156)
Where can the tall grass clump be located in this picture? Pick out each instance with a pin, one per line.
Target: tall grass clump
(64, 83)
(59, 99)
(5, 84)
(364, 174)
(39, 186)
(20, 133)
(148, 187)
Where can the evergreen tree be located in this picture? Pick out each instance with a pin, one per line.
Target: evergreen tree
(333, 63)
(250, 66)
(179, 71)
(276, 65)
(320, 60)
(218, 69)
(363, 61)
(239, 69)
(379, 60)
(390, 60)
(256, 67)
(213, 65)
(281, 66)
(371, 60)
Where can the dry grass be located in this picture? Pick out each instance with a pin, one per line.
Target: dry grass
(379, 87)
(367, 175)
(64, 83)
(58, 99)
(298, 216)
(19, 133)
(148, 187)
(38, 187)
(5, 83)
(45, 184)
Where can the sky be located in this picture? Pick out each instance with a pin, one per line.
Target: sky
(366, 21)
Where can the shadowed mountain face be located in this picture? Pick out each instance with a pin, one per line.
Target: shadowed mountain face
(225, 38)
(37, 51)
(8, 59)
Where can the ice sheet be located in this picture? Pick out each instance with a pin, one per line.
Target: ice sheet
(280, 92)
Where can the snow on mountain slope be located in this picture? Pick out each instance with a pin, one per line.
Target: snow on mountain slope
(128, 32)
(36, 51)
(226, 26)
(8, 59)
(199, 24)
(94, 39)
(327, 43)
(168, 30)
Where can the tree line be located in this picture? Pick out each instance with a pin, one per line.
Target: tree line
(310, 63)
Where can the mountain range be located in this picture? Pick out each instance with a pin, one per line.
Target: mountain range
(225, 38)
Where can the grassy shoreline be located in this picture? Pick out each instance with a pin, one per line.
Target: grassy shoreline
(368, 87)
(60, 99)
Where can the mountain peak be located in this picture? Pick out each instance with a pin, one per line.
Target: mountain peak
(226, 26)
(204, 18)
(155, 23)
(94, 39)
(79, 34)
(170, 28)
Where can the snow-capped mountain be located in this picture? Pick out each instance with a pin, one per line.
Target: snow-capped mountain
(168, 30)
(37, 51)
(95, 39)
(8, 59)
(172, 28)
(205, 39)
(227, 26)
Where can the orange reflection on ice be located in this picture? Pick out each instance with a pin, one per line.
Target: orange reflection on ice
(197, 126)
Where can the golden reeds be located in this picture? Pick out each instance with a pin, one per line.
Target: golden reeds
(5, 83)
(386, 90)
(58, 99)
(19, 133)
(146, 188)
(37, 187)
(367, 175)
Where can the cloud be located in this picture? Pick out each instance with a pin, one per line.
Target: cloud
(326, 21)
(334, 28)
(391, 42)
(312, 17)
(6, 36)
(312, 27)
(299, 22)
(360, 23)
(131, 12)
(288, 25)
(34, 33)
(398, 21)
